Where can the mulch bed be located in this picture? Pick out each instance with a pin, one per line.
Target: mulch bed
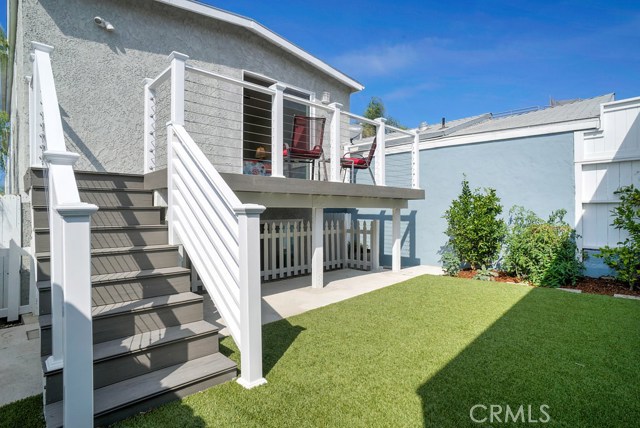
(605, 285)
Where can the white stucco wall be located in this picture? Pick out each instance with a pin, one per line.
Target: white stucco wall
(99, 75)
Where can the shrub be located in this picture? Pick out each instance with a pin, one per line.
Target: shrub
(475, 231)
(450, 262)
(543, 252)
(625, 259)
(485, 274)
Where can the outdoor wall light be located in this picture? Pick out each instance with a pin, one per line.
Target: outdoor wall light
(326, 97)
(103, 23)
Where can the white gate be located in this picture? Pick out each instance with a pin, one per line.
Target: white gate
(10, 254)
(286, 247)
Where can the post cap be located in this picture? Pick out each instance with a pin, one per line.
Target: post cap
(79, 209)
(57, 157)
(249, 209)
(178, 55)
(37, 46)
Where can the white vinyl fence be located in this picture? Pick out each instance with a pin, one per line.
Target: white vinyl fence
(10, 252)
(286, 247)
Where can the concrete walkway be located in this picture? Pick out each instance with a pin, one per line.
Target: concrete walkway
(21, 372)
(282, 299)
(20, 369)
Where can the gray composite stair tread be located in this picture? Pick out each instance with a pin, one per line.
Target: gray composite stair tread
(126, 276)
(121, 250)
(102, 189)
(115, 228)
(133, 306)
(112, 208)
(147, 340)
(144, 304)
(140, 388)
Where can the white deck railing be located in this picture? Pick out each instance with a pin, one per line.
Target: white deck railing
(215, 110)
(218, 232)
(70, 236)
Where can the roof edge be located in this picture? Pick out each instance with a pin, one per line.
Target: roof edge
(264, 32)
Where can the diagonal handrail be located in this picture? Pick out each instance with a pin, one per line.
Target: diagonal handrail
(70, 248)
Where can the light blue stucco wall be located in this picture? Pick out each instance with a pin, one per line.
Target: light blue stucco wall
(536, 172)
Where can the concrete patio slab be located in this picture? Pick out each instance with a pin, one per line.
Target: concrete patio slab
(282, 299)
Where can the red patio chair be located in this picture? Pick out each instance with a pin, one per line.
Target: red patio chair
(306, 143)
(357, 161)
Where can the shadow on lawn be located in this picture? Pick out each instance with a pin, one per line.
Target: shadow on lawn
(571, 353)
(277, 337)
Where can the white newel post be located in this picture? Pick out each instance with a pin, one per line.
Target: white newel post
(178, 63)
(317, 244)
(380, 150)
(250, 295)
(78, 340)
(415, 161)
(149, 127)
(277, 132)
(335, 141)
(395, 241)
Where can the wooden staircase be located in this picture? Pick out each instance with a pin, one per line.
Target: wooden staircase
(150, 342)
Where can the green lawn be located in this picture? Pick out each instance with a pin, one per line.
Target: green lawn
(423, 352)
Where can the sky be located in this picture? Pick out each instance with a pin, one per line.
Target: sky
(427, 60)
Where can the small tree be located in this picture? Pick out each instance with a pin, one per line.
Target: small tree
(625, 258)
(474, 228)
(374, 110)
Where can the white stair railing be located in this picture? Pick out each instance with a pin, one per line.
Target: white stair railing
(220, 234)
(70, 237)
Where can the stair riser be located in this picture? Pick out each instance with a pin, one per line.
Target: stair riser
(104, 198)
(108, 217)
(116, 263)
(136, 364)
(106, 181)
(113, 238)
(131, 323)
(118, 292)
(144, 406)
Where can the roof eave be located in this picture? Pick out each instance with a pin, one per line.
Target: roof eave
(267, 34)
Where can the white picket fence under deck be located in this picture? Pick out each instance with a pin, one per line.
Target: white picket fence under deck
(286, 247)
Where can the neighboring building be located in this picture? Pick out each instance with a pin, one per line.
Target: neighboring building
(164, 106)
(571, 156)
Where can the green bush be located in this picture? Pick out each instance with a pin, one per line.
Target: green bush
(625, 259)
(485, 274)
(542, 252)
(450, 262)
(474, 228)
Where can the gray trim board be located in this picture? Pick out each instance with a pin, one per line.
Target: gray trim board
(275, 192)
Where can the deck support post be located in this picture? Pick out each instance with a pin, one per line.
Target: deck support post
(395, 241)
(250, 295)
(317, 244)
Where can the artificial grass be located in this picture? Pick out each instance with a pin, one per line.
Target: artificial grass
(423, 352)
(25, 413)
